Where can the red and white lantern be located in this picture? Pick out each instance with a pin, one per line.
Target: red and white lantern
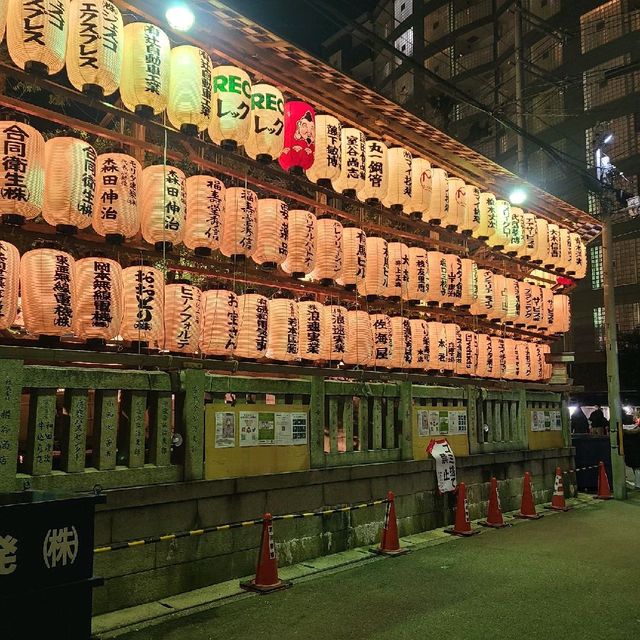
(299, 136)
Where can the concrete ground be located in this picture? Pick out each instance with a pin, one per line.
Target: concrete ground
(571, 575)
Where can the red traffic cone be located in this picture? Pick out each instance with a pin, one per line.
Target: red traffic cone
(557, 500)
(462, 526)
(266, 579)
(528, 506)
(389, 540)
(604, 492)
(494, 512)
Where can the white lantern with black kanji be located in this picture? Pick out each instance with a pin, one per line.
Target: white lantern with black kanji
(98, 306)
(206, 198)
(382, 340)
(437, 275)
(485, 304)
(163, 206)
(470, 220)
(37, 34)
(554, 256)
(266, 131)
(253, 326)
(398, 280)
(327, 158)
(437, 346)
(485, 363)
(22, 172)
(525, 315)
(190, 85)
(398, 195)
(377, 272)
(272, 240)
(420, 345)
(239, 224)
(538, 363)
(301, 256)
(515, 245)
(9, 284)
(439, 207)
(376, 174)
(453, 291)
(182, 317)
(499, 357)
(70, 178)
(354, 258)
(530, 231)
(116, 214)
(500, 225)
(143, 304)
(144, 87)
(542, 248)
(359, 344)
(452, 337)
(313, 330)
(512, 301)
(487, 226)
(548, 310)
(334, 348)
(220, 323)
(536, 307)
(509, 373)
(469, 283)
(561, 314)
(420, 188)
(402, 355)
(579, 267)
(283, 339)
(95, 47)
(457, 203)
(230, 111)
(467, 359)
(353, 161)
(418, 273)
(48, 292)
(566, 250)
(499, 312)
(328, 265)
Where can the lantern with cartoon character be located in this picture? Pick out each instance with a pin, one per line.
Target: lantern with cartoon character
(299, 136)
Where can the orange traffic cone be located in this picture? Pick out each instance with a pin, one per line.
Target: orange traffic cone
(266, 579)
(389, 540)
(528, 506)
(462, 526)
(557, 501)
(604, 492)
(494, 512)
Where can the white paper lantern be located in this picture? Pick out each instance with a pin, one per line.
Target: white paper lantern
(230, 113)
(266, 132)
(327, 159)
(313, 330)
(452, 336)
(469, 283)
(402, 355)
(328, 265)
(9, 284)
(500, 224)
(359, 347)
(487, 226)
(376, 175)
(453, 290)
(421, 347)
(515, 245)
(398, 195)
(143, 303)
(418, 282)
(486, 302)
(382, 330)
(499, 312)
(555, 247)
(206, 197)
(561, 314)
(335, 320)
(301, 256)
(500, 366)
(530, 229)
(220, 323)
(354, 258)
(437, 346)
(467, 362)
(485, 363)
(239, 223)
(272, 241)
(579, 257)
(542, 234)
(457, 203)
(470, 220)
(182, 317)
(420, 188)
(377, 272)
(253, 326)
(397, 283)
(283, 341)
(512, 301)
(566, 250)
(437, 270)
(353, 159)
(439, 209)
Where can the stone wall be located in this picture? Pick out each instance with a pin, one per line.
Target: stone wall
(151, 572)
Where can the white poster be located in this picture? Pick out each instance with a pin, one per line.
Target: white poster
(422, 418)
(225, 430)
(282, 423)
(457, 422)
(445, 464)
(434, 423)
(248, 429)
(556, 421)
(299, 428)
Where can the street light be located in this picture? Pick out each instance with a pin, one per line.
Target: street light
(608, 138)
(180, 17)
(518, 196)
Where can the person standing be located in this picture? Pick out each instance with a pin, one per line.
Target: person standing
(599, 423)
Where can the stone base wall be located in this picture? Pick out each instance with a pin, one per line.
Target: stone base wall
(151, 572)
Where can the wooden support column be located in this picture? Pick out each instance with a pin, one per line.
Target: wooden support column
(11, 379)
(74, 438)
(40, 431)
(317, 421)
(193, 384)
(406, 420)
(105, 429)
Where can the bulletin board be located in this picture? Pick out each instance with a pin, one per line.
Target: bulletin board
(255, 439)
(429, 423)
(545, 429)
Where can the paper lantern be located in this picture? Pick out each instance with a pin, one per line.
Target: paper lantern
(548, 367)
(499, 357)
(398, 195)
(4, 6)
(523, 361)
(437, 346)
(144, 86)
(420, 345)
(48, 292)
(500, 225)
(566, 250)
(485, 304)
(283, 339)
(418, 275)
(453, 289)
(220, 323)
(327, 159)
(542, 248)
(548, 310)
(163, 206)
(313, 330)
(22, 173)
(487, 226)
(512, 300)
(377, 272)
(452, 337)
(515, 244)
(579, 266)
(538, 364)
(537, 314)
(555, 248)
(526, 304)
(238, 236)
(182, 317)
(354, 258)
(467, 359)
(334, 347)
(510, 359)
(190, 85)
(470, 220)
(499, 312)
(328, 265)
(437, 270)
(9, 284)
(230, 113)
(485, 363)
(420, 202)
(253, 326)
(272, 239)
(382, 340)
(530, 230)
(37, 34)
(98, 307)
(402, 355)
(439, 209)
(70, 177)
(457, 203)
(301, 256)
(116, 214)
(266, 131)
(206, 198)
(95, 47)
(376, 174)
(299, 136)
(143, 303)
(359, 347)
(398, 280)
(469, 283)
(353, 161)
(561, 314)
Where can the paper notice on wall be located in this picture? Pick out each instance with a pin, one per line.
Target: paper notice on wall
(556, 420)
(422, 418)
(457, 422)
(299, 428)
(445, 461)
(248, 428)
(282, 423)
(434, 423)
(225, 430)
(266, 428)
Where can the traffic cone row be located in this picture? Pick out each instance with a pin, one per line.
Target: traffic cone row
(604, 491)
(558, 502)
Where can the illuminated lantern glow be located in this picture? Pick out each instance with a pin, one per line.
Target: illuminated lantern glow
(239, 223)
(231, 108)
(512, 297)
(542, 234)
(499, 312)
(383, 345)
(4, 6)
(22, 172)
(376, 174)
(143, 304)
(561, 314)
(402, 355)
(420, 188)
(9, 284)
(283, 340)
(313, 330)
(452, 337)
(182, 317)
(566, 250)
(266, 131)
(327, 159)
(530, 231)
(437, 270)
(398, 196)
(97, 311)
(190, 87)
(206, 198)
(70, 177)
(500, 357)
(437, 346)
(487, 226)
(548, 310)
(554, 256)
(335, 320)
(501, 225)
(485, 304)
(453, 291)
(511, 359)
(537, 314)
(485, 364)
(253, 326)
(573, 250)
(469, 283)
(37, 34)
(116, 215)
(220, 323)
(301, 256)
(377, 273)
(163, 206)
(523, 371)
(467, 360)
(470, 220)
(548, 367)
(354, 258)
(144, 87)
(359, 347)
(48, 292)
(439, 208)
(95, 47)
(328, 265)
(353, 161)
(418, 282)
(299, 136)
(515, 245)
(420, 345)
(525, 316)
(579, 268)
(457, 203)
(272, 240)
(398, 280)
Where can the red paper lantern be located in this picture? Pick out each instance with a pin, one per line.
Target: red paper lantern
(299, 136)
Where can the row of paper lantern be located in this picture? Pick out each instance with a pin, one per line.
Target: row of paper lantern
(94, 298)
(151, 76)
